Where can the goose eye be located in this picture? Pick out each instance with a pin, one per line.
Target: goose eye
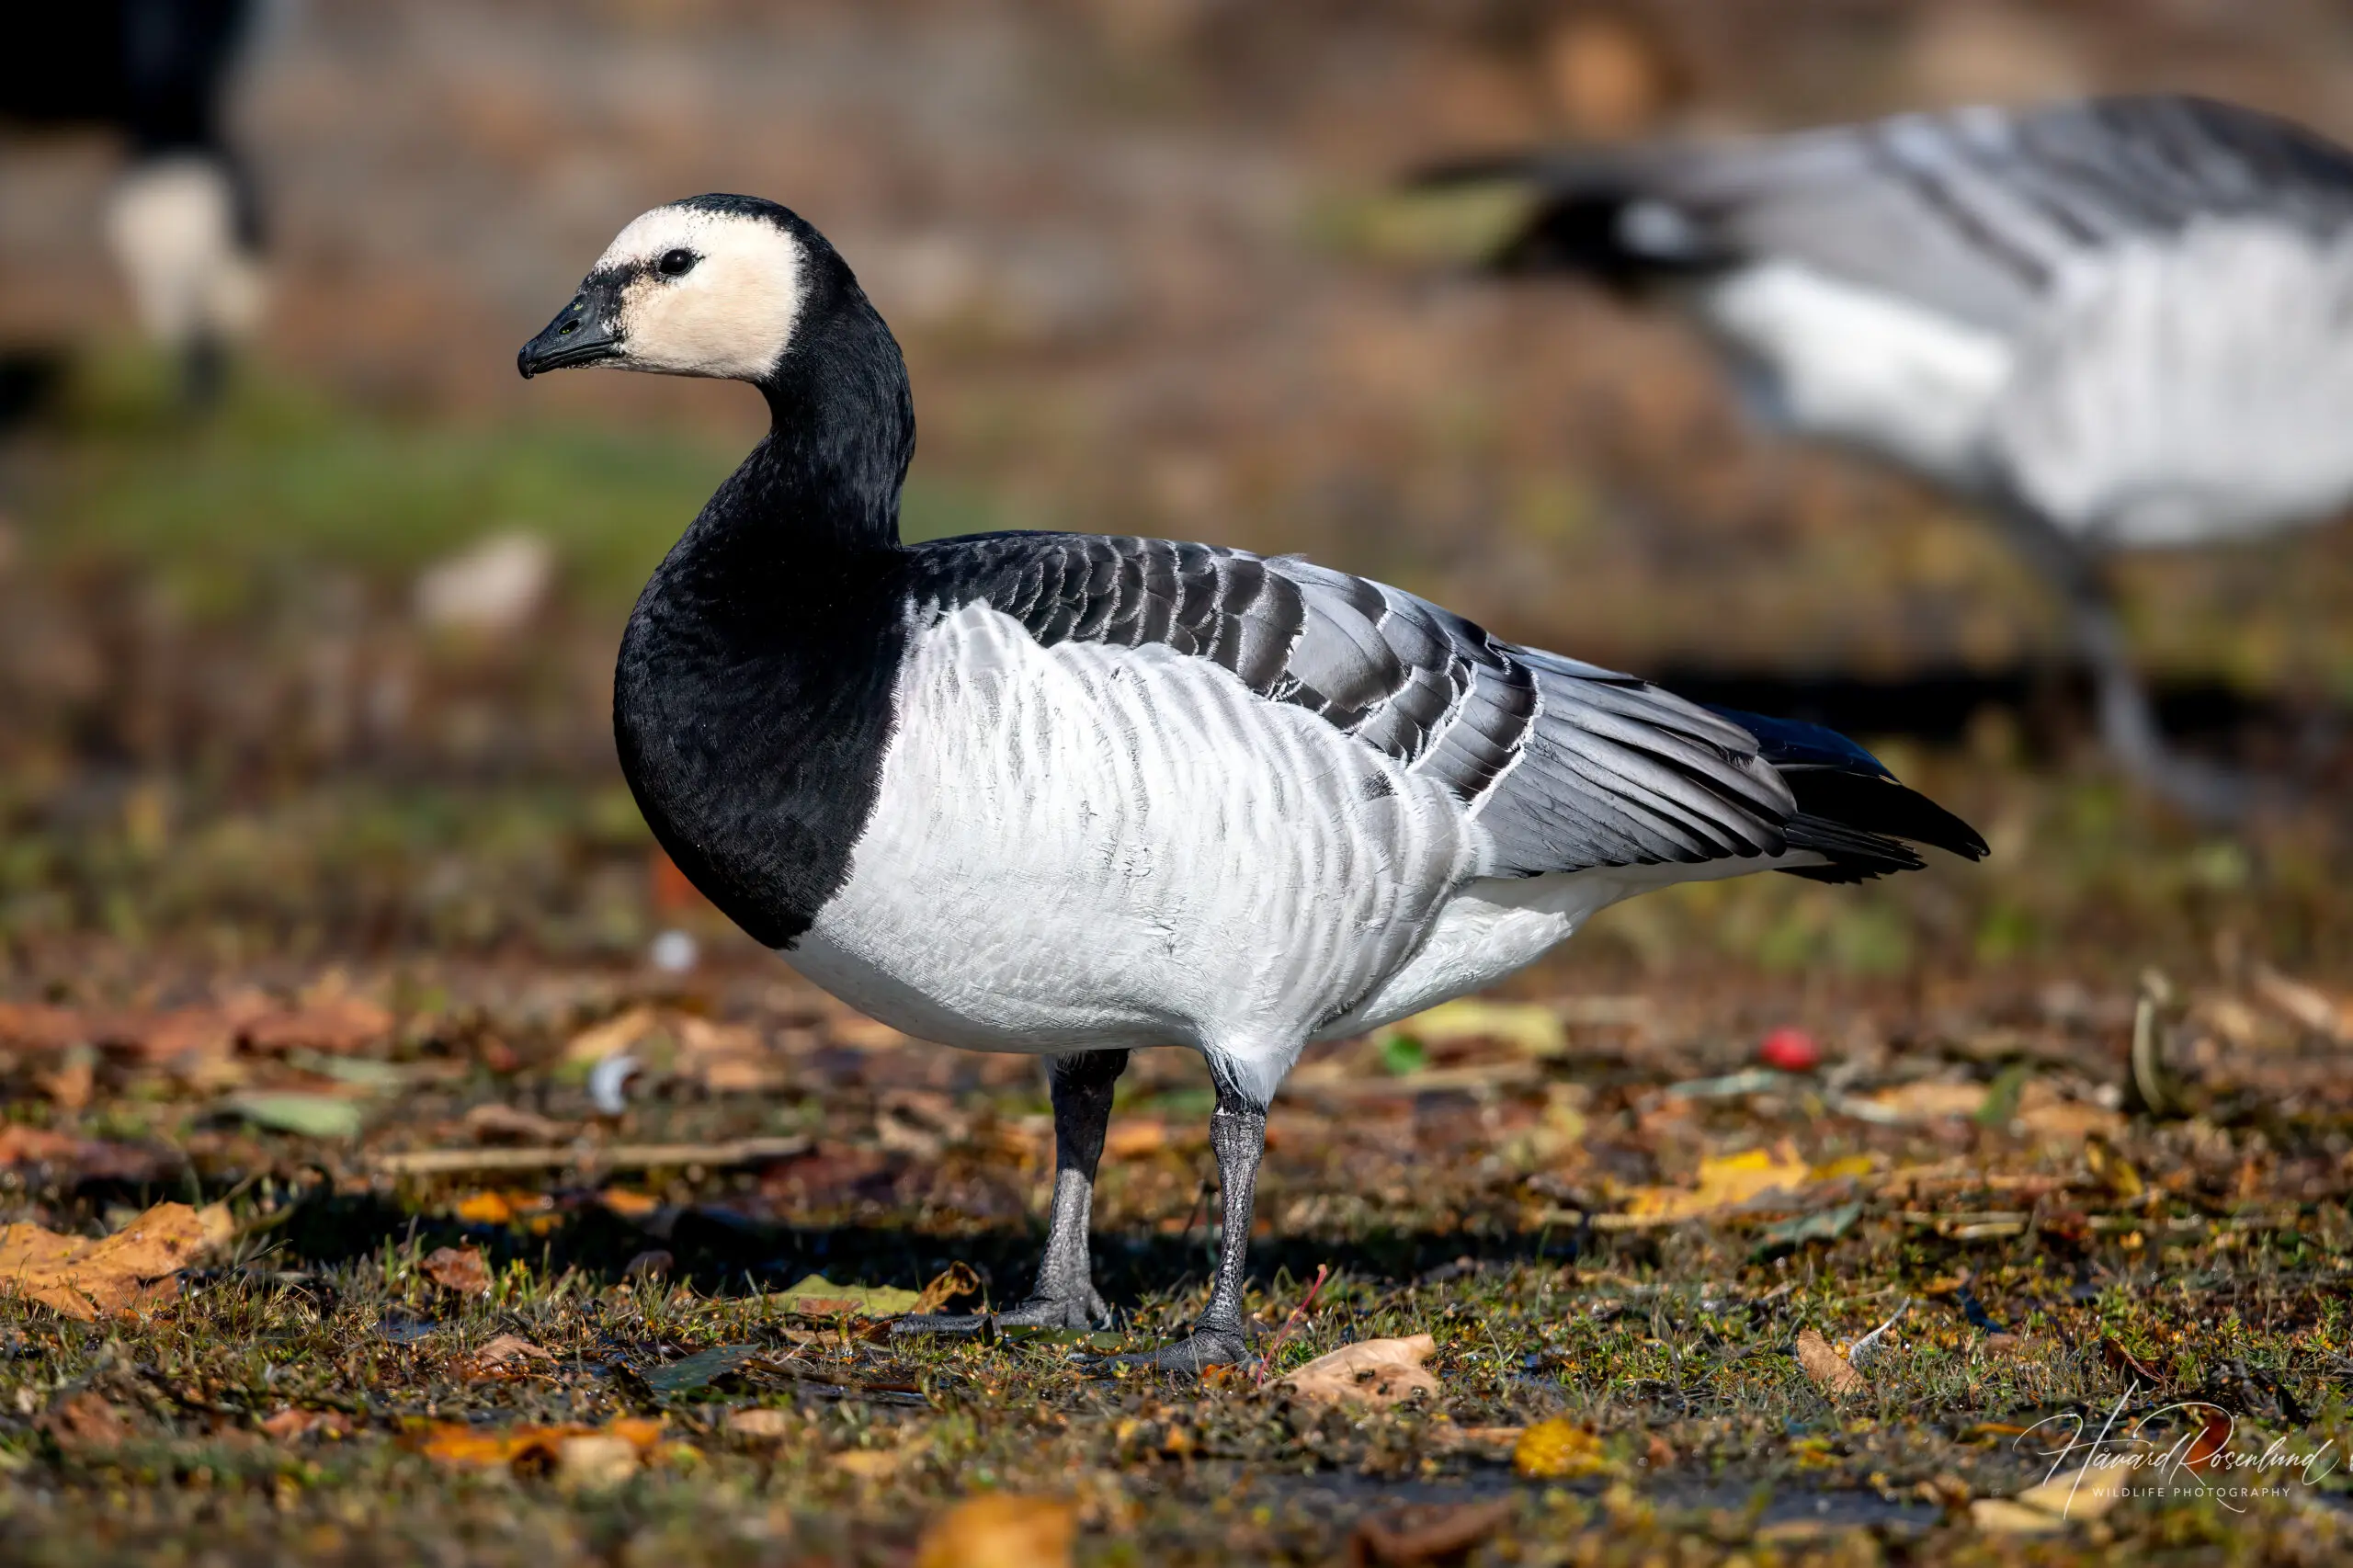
(676, 263)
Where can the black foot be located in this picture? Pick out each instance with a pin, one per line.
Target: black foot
(1086, 1311)
(1204, 1347)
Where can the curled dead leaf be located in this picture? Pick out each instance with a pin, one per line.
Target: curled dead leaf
(999, 1530)
(133, 1270)
(510, 1354)
(461, 1269)
(954, 1284)
(1371, 1372)
(1831, 1373)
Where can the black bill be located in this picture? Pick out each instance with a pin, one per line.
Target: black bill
(582, 334)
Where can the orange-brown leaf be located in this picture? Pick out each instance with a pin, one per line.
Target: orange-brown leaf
(457, 1268)
(1831, 1373)
(135, 1268)
(998, 1530)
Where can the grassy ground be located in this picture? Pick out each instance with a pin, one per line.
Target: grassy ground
(267, 935)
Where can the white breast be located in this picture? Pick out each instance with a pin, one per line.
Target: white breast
(2189, 390)
(1089, 847)
(1850, 364)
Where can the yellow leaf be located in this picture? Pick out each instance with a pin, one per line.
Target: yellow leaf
(1726, 1182)
(1557, 1450)
(1535, 1030)
(996, 1530)
(818, 1297)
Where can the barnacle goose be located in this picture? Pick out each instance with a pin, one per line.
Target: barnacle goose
(2117, 323)
(1073, 795)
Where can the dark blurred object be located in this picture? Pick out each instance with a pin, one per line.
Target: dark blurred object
(2114, 324)
(185, 223)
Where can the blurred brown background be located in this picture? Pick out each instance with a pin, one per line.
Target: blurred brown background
(1152, 275)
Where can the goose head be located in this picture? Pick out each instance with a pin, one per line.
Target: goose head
(712, 286)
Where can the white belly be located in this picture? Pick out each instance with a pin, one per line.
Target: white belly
(1853, 365)
(2189, 390)
(1086, 846)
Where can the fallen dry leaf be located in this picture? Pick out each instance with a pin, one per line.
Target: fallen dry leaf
(2308, 1005)
(868, 1464)
(1557, 1450)
(2046, 1114)
(2113, 1171)
(290, 1424)
(509, 1354)
(90, 1159)
(1424, 1532)
(612, 1037)
(763, 1423)
(1535, 1028)
(954, 1284)
(135, 1269)
(497, 1123)
(597, 1462)
(457, 1268)
(525, 1449)
(85, 1423)
(818, 1297)
(70, 1085)
(2086, 1494)
(331, 1025)
(1726, 1182)
(1370, 1371)
(1831, 1373)
(999, 1530)
(1929, 1102)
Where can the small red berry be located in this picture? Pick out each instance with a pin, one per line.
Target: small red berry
(1791, 1051)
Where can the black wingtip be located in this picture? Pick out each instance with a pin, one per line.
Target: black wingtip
(1876, 803)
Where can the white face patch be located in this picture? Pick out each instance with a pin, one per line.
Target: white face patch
(731, 315)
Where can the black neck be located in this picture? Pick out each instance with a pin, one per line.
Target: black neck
(825, 480)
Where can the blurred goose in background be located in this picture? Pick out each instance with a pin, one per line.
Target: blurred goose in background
(1071, 795)
(183, 222)
(2119, 324)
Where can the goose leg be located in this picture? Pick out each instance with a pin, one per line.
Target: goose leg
(2128, 720)
(1238, 1136)
(1064, 1295)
